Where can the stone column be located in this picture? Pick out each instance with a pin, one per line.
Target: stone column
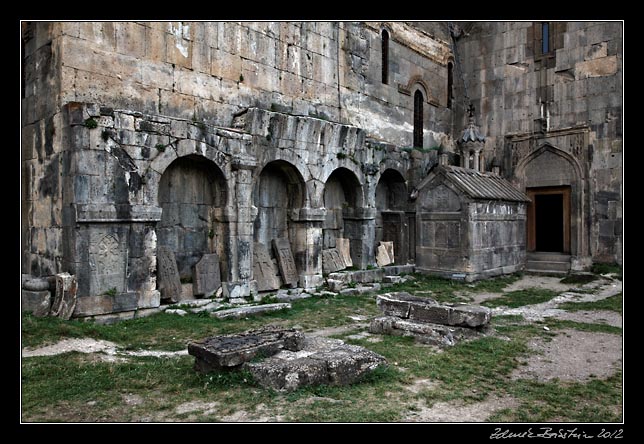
(465, 159)
(475, 166)
(308, 245)
(241, 283)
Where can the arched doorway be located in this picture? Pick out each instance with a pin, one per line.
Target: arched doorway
(552, 179)
(342, 195)
(395, 221)
(192, 190)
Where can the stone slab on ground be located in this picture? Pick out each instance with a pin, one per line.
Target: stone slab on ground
(321, 361)
(187, 293)
(265, 270)
(344, 247)
(168, 275)
(426, 333)
(392, 270)
(335, 285)
(285, 261)
(382, 256)
(206, 276)
(37, 303)
(399, 303)
(360, 289)
(420, 309)
(227, 351)
(332, 261)
(367, 276)
(254, 310)
(291, 295)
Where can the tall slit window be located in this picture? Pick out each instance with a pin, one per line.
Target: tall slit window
(545, 37)
(450, 83)
(385, 56)
(418, 119)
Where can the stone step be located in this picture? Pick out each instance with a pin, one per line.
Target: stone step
(547, 257)
(547, 267)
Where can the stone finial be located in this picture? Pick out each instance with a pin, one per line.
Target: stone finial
(471, 142)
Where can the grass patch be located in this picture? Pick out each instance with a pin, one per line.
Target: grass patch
(613, 303)
(595, 401)
(445, 290)
(507, 320)
(79, 387)
(170, 332)
(606, 269)
(579, 279)
(583, 326)
(519, 298)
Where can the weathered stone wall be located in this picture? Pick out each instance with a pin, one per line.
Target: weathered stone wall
(209, 73)
(138, 182)
(497, 242)
(43, 139)
(213, 70)
(569, 100)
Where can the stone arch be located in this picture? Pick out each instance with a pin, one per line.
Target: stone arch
(391, 191)
(192, 193)
(550, 170)
(394, 220)
(415, 83)
(522, 171)
(184, 148)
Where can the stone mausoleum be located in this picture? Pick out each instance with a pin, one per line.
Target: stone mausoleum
(152, 151)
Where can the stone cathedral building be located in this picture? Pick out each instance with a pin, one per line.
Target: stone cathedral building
(477, 148)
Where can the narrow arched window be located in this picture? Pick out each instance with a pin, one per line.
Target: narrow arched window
(418, 119)
(385, 56)
(545, 38)
(450, 83)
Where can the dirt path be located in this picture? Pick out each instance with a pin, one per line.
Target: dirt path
(458, 412)
(105, 350)
(572, 355)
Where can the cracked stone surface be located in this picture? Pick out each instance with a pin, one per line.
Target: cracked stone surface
(322, 361)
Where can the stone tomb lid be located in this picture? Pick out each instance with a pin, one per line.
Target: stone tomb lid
(285, 261)
(206, 276)
(332, 261)
(232, 350)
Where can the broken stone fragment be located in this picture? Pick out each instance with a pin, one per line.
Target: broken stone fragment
(227, 351)
(65, 297)
(36, 302)
(470, 316)
(399, 304)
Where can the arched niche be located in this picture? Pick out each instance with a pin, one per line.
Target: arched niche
(343, 195)
(192, 194)
(394, 221)
(279, 192)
